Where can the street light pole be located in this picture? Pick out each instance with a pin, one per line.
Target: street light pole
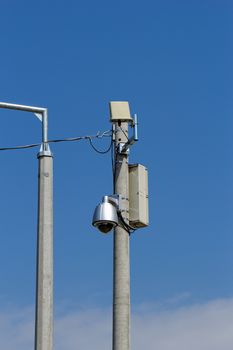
(44, 279)
(44, 290)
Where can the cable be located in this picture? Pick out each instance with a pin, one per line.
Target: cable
(19, 147)
(124, 133)
(113, 155)
(126, 226)
(98, 151)
(70, 139)
(107, 133)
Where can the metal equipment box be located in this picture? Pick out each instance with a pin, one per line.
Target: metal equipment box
(119, 110)
(138, 196)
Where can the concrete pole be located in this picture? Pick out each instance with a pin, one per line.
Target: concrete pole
(44, 288)
(121, 273)
(44, 279)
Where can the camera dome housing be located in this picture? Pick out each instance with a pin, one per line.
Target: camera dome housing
(105, 216)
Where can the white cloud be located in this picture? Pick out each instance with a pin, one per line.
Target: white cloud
(84, 330)
(16, 329)
(206, 326)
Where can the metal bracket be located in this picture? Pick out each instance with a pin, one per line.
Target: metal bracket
(39, 116)
(115, 199)
(44, 150)
(124, 147)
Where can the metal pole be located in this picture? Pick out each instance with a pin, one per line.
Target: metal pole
(24, 108)
(41, 113)
(121, 262)
(44, 290)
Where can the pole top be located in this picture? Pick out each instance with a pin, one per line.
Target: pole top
(119, 110)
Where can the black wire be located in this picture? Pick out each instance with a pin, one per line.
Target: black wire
(124, 133)
(126, 226)
(113, 166)
(98, 151)
(19, 147)
(69, 139)
(113, 161)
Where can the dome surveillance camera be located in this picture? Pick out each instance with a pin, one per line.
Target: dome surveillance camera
(104, 227)
(105, 216)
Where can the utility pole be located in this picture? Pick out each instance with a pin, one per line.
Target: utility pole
(44, 290)
(120, 117)
(125, 211)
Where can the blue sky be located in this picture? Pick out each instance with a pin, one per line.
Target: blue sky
(172, 60)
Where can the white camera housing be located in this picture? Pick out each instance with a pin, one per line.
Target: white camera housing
(105, 216)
